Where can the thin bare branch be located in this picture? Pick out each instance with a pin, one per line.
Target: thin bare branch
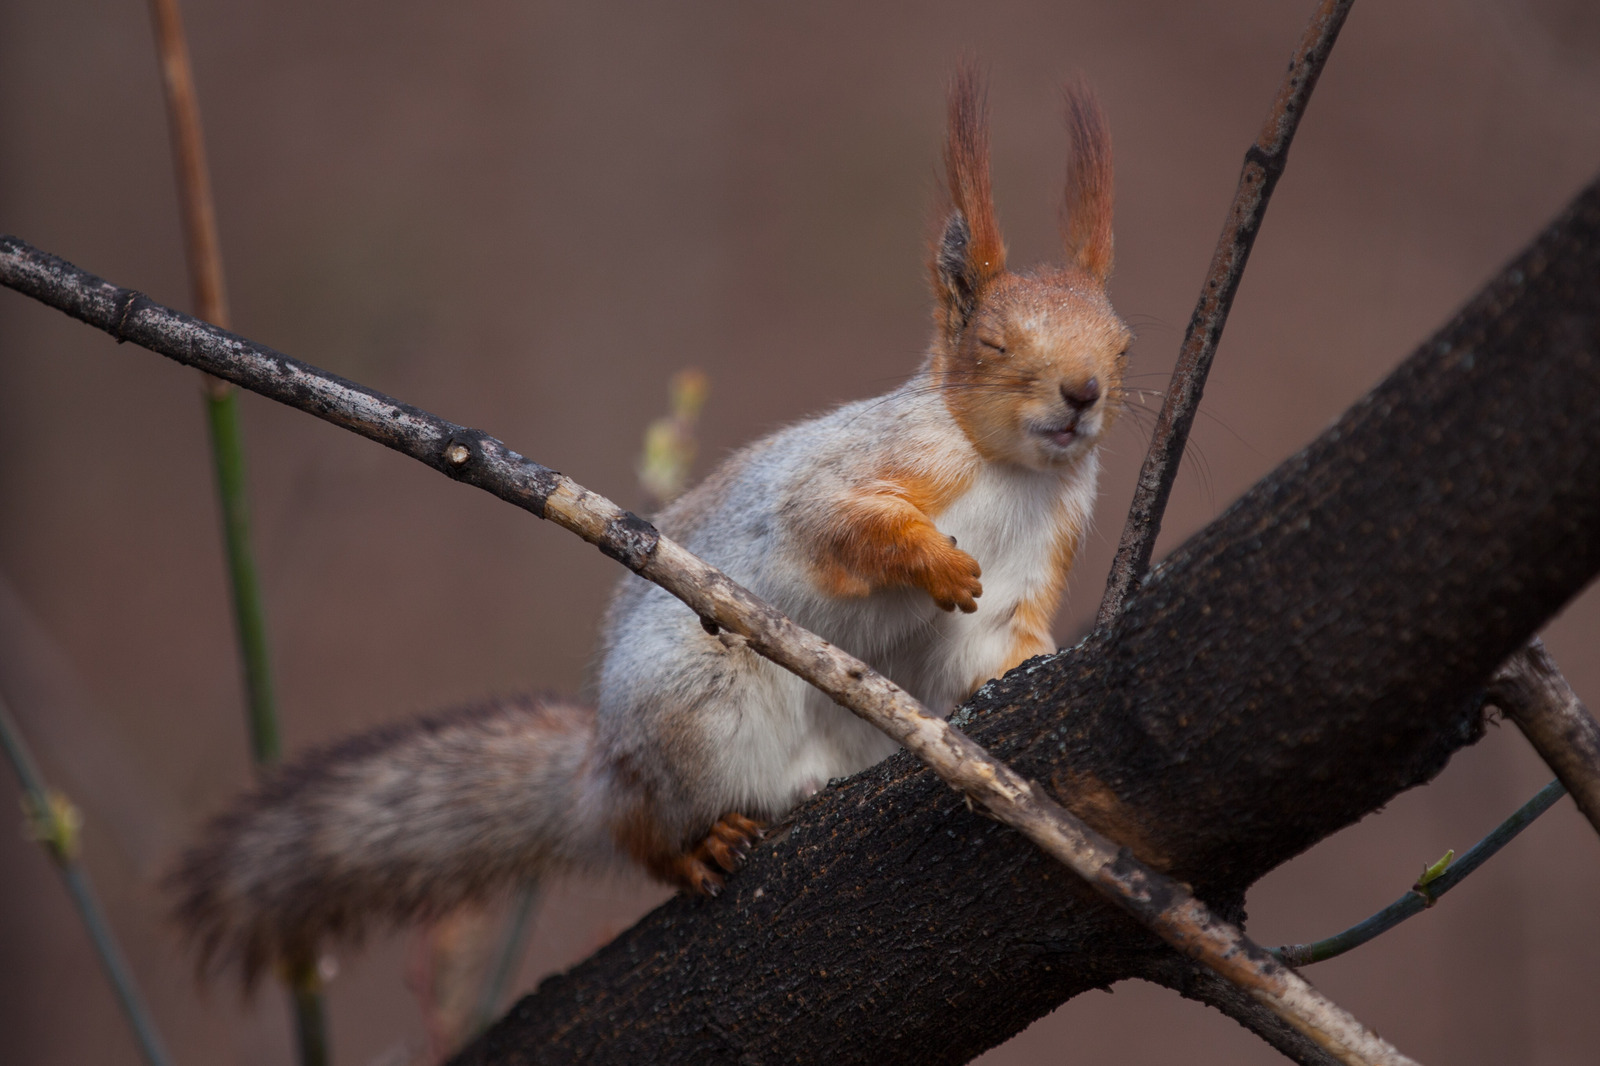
(1263, 165)
(1528, 688)
(1158, 902)
(1531, 691)
(513, 945)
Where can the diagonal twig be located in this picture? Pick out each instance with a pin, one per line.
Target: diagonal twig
(1263, 165)
(54, 823)
(1161, 904)
(1528, 688)
(1531, 691)
(1424, 894)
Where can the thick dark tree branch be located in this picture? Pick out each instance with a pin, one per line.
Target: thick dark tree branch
(1263, 166)
(1343, 615)
(1319, 648)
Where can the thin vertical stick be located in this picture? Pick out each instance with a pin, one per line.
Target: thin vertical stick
(227, 451)
(511, 951)
(249, 613)
(194, 180)
(1263, 165)
(54, 823)
(310, 1013)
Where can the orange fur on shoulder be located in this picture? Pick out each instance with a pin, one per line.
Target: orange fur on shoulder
(882, 536)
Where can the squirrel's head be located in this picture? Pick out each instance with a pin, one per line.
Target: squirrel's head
(1030, 364)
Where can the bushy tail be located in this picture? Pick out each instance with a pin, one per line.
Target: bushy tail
(405, 822)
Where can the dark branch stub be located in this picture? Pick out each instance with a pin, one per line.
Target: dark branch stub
(1192, 981)
(1531, 691)
(1263, 165)
(630, 540)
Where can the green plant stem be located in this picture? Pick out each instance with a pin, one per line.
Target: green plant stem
(249, 616)
(1421, 897)
(523, 906)
(310, 1015)
(84, 898)
(250, 623)
(202, 247)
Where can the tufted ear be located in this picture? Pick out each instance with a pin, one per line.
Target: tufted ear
(969, 253)
(1086, 212)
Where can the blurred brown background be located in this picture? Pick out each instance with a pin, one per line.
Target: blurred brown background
(526, 217)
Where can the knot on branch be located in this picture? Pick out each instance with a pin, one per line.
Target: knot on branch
(126, 306)
(1271, 163)
(461, 452)
(630, 540)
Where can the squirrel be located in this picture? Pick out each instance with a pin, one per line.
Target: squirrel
(870, 525)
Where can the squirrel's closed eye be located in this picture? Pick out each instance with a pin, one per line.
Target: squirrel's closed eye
(991, 342)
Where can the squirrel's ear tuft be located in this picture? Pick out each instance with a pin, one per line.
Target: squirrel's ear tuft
(1086, 213)
(969, 253)
(953, 279)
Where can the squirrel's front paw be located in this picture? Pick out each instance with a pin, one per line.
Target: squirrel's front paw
(951, 578)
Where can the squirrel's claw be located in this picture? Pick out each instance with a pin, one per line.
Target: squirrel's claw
(951, 578)
(723, 851)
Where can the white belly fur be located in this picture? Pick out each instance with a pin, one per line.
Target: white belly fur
(1007, 520)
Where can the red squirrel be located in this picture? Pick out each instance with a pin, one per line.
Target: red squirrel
(928, 531)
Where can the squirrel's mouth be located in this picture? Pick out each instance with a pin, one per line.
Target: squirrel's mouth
(1062, 434)
(1062, 437)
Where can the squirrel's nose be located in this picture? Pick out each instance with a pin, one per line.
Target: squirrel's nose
(1082, 397)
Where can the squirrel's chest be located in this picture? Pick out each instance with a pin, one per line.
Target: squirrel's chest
(1022, 527)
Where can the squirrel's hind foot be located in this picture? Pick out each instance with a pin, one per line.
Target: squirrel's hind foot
(723, 851)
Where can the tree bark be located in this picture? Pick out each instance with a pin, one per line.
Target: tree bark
(1319, 648)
